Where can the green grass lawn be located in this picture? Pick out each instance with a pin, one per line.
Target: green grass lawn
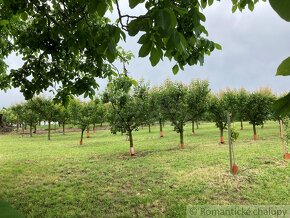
(60, 178)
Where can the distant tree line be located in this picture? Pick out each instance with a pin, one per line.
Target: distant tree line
(126, 105)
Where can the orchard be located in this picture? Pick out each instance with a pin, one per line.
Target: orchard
(132, 149)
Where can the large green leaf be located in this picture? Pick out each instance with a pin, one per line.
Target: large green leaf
(282, 105)
(134, 3)
(133, 27)
(173, 41)
(166, 19)
(284, 68)
(175, 69)
(145, 49)
(282, 7)
(156, 55)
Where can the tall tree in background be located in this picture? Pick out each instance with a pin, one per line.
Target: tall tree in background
(197, 100)
(174, 106)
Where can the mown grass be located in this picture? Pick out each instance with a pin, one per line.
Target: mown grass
(60, 178)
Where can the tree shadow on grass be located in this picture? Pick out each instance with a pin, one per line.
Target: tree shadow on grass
(138, 154)
(6, 211)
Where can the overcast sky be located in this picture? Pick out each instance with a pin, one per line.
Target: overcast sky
(254, 44)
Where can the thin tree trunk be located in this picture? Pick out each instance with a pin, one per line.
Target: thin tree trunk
(17, 126)
(132, 153)
(222, 141)
(242, 127)
(49, 126)
(181, 139)
(280, 128)
(197, 127)
(149, 127)
(88, 132)
(82, 136)
(161, 128)
(34, 129)
(255, 131)
(94, 128)
(63, 128)
(30, 130)
(192, 127)
(101, 124)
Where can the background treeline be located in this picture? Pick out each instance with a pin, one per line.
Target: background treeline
(126, 105)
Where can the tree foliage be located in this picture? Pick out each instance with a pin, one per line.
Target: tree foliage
(68, 44)
(128, 105)
(174, 106)
(259, 108)
(197, 100)
(219, 112)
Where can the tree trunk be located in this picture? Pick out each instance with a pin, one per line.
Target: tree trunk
(82, 136)
(34, 129)
(222, 141)
(255, 131)
(242, 127)
(161, 129)
(88, 132)
(94, 128)
(181, 139)
(192, 127)
(101, 124)
(63, 128)
(49, 126)
(197, 124)
(280, 128)
(149, 128)
(132, 153)
(30, 130)
(17, 126)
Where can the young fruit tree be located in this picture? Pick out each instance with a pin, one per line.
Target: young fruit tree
(230, 98)
(197, 100)
(46, 110)
(80, 115)
(218, 113)
(174, 106)
(242, 98)
(29, 115)
(17, 110)
(150, 108)
(259, 109)
(62, 116)
(126, 113)
(155, 103)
